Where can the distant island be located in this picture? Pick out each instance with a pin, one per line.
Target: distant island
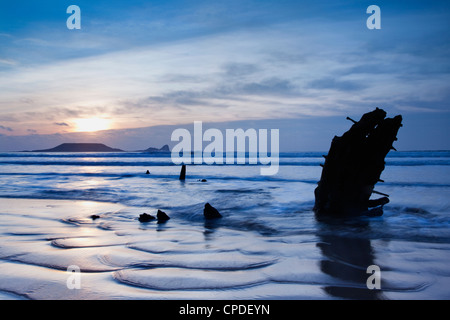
(80, 147)
(95, 147)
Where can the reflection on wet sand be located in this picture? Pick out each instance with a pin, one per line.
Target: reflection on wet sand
(346, 258)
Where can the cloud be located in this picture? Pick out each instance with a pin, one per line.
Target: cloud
(6, 128)
(62, 124)
(238, 70)
(225, 100)
(336, 84)
(8, 62)
(273, 86)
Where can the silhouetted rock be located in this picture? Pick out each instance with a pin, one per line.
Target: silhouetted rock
(146, 217)
(162, 216)
(354, 165)
(94, 217)
(203, 180)
(164, 148)
(80, 147)
(210, 212)
(183, 172)
(148, 172)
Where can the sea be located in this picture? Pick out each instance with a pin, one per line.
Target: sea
(268, 244)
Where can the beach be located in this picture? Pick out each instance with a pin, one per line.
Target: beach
(268, 244)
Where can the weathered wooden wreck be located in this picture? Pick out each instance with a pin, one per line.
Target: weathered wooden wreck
(354, 165)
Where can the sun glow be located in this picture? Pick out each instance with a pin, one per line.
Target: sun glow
(91, 124)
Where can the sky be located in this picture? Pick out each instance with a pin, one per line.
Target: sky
(136, 70)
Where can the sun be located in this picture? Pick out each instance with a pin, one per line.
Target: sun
(91, 124)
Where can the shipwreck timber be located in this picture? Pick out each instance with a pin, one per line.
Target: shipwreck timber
(354, 165)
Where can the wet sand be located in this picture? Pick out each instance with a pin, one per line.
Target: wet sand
(121, 258)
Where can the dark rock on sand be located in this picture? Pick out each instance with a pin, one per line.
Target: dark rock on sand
(146, 217)
(162, 216)
(210, 212)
